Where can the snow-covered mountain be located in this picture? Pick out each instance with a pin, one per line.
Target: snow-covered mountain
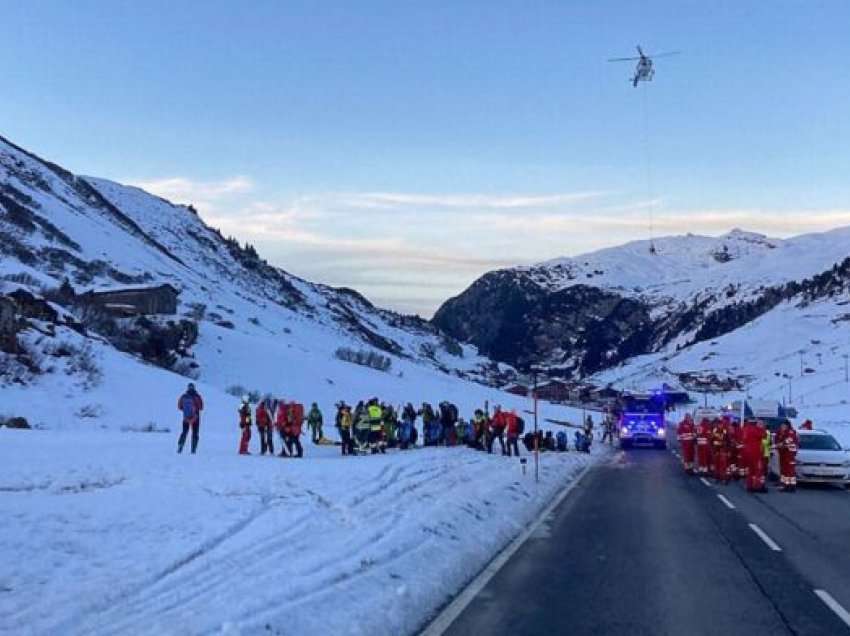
(598, 313)
(239, 321)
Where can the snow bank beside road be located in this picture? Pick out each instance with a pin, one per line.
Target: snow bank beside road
(108, 532)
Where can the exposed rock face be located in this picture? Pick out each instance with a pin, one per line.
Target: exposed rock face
(512, 319)
(576, 317)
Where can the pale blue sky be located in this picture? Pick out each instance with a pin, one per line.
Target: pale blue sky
(404, 148)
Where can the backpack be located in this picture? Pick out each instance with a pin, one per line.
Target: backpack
(345, 420)
(187, 403)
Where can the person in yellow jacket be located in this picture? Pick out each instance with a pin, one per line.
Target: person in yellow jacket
(766, 450)
(376, 425)
(344, 424)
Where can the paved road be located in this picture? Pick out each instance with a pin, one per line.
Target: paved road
(638, 548)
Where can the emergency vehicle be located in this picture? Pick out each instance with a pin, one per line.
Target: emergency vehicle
(642, 421)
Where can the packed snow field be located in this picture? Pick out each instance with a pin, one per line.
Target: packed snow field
(112, 533)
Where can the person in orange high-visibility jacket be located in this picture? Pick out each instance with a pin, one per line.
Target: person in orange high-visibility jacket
(736, 447)
(686, 434)
(753, 437)
(703, 437)
(720, 450)
(787, 443)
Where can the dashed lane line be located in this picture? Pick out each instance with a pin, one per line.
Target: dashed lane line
(705, 481)
(834, 605)
(763, 536)
(726, 502)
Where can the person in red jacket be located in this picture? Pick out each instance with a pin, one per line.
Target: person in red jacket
(497, 429)
(807, 425)
(753, 437)
(279, 417)
(735, 447)
(703, 437)
(720, 450)
(245, 425)
(787, 442)
(190, 404)
(686, 433)
(292, 429)
(513, 427)
(264, 426)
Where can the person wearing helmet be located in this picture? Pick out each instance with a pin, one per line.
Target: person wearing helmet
(190, 404)
(245, 425)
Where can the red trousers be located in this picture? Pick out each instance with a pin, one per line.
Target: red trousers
(688, 454)
(755, 472)
(721, 464)
(243, 443)
(788, 468)
(703, 457)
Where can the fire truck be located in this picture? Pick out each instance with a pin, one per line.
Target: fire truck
(642, 421)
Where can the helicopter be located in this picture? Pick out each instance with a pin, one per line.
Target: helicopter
(643, 71)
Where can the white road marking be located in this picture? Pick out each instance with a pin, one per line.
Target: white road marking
(763, 536)
(454, 609)
(726, 502)
(705, 481)
(834, 605)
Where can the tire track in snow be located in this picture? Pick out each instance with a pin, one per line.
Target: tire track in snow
(115, 603)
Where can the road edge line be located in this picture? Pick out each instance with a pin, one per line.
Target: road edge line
(461, 601)
(705, 481)
(770, 543)
(834, 605)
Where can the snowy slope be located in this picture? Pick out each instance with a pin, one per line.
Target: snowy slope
(584, 314)
(105, 529)
(102, 235)
(794, 355)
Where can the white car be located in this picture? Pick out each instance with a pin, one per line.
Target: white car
(820, 459)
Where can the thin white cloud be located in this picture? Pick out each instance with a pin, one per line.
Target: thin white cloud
(390, 200)
(202, 194)
(421, 248)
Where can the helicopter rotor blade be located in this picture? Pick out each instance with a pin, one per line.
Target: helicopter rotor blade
(623, 59)
(640, 50)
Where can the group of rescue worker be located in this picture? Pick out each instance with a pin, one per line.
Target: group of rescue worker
(372, 426)
(725, 449)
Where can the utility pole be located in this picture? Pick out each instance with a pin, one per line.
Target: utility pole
(801, 362)
(846, 375)
(536, 439)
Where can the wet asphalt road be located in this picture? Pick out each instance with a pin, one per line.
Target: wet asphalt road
(640, 548)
